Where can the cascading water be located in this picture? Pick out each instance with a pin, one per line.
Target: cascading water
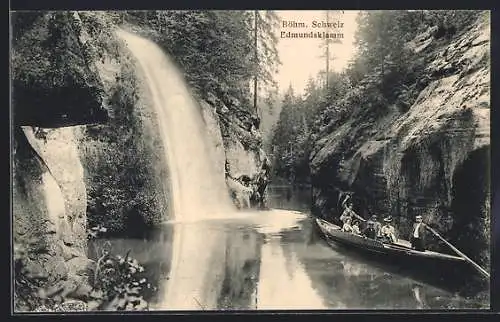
(199, 191)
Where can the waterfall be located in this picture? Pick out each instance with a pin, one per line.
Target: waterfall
(199, 190)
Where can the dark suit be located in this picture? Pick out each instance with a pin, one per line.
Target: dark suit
(418, 242)
(370, 232)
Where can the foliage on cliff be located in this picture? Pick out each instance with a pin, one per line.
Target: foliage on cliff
(121, 160)
(54, 83)
(60, 55)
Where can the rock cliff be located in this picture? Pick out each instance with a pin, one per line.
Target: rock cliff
(49, 222)
(432, 159)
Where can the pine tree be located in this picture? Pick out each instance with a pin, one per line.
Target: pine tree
(266, 58)
(326, 44)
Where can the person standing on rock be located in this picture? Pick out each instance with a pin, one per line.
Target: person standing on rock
(417, 236)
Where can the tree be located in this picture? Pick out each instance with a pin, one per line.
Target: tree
(256, 50)
(266, 58)
(330, 18)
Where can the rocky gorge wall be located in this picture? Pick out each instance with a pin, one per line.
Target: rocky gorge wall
(48, 219)
(432, 159)
(95, 159)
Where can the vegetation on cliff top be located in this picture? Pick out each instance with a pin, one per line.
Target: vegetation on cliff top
(54, 83)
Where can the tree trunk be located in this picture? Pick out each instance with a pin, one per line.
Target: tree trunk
(256, 65)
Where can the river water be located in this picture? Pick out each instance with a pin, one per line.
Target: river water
(272, 260)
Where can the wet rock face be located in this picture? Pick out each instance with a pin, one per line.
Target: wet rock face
(48, 227)
(418, 162)
(58, 148)
(246, 172)
(238, 147)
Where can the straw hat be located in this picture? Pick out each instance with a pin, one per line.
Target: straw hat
(418, 217)
(388, 219)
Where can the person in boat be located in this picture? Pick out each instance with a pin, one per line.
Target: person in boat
(349, 213)
(370, 231)
(417, 237)
(347, 225)
(373, 221)
(345, 199)
(355, 227)
(388, 232)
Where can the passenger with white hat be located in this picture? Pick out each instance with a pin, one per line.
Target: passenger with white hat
(388, 231)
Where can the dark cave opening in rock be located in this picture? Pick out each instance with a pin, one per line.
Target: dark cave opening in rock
(471, 190)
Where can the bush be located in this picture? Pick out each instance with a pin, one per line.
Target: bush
(119, 284)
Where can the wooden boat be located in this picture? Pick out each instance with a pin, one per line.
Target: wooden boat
(439, 267)
(400, 248)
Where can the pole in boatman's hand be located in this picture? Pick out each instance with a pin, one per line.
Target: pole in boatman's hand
(476, 266)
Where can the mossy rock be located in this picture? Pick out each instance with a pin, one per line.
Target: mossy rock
(53, 82)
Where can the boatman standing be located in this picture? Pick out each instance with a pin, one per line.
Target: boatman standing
(349, 213)
(346, 198)
(417, 236)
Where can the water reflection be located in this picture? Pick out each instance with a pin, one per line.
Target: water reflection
(283, 282)
(196, 277)
(271, 260)
(419, 296)
(242, 258)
